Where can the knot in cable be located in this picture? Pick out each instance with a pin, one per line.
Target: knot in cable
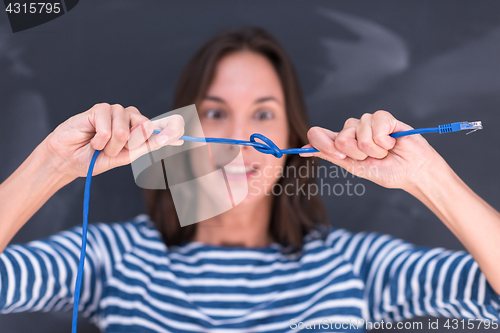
(268, 147)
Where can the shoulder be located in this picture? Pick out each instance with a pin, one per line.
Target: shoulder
(139, 231)
(344, 240)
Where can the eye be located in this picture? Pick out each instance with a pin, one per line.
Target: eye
(264, 115)
(215, 114)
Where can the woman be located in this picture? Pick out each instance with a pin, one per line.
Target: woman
(269, 264)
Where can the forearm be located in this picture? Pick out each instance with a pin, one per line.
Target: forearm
(26, 190)
(473, 221)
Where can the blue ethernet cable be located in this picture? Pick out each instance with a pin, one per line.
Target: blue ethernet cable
(441, 129)
(267, 147)
(79, 275)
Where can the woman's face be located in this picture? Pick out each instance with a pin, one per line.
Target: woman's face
(246, 97)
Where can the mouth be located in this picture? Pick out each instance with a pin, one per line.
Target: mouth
(240, 171)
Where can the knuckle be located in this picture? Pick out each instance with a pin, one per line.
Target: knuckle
(143, 120)
(117, 108)
(177, 125)
(132, 109)
(108, 151)
(105, 134)
(341, 142)
(179, 119)
(349, 122)
(331, 149)
(364, 144)
(379, 139)
(101, 107)
(366, 116)
(121, 134)
(381, 113)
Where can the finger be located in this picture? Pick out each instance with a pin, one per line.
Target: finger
(139, 134)
(141, 128)
(147, 147)
(351, 122)
(347, 144)
(120, 130)
(364, 136)
(173, 129)
(136, 118)
(306, 154)
(383, 124)
(347, 163)
(100, 117)
(179, 142)
(401, 127)
(323, 140)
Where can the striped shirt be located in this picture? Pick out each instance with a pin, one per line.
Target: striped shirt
(133, 283)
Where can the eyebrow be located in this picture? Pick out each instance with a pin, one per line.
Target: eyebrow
(257, 101)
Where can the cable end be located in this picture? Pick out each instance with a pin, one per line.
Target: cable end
(460, 126)
(472, 125)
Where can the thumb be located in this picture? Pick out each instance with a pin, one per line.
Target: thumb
(346, 163)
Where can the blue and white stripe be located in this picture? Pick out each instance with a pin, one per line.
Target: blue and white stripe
(133, 283)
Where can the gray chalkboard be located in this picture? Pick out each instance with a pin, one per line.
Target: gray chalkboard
(427, 62)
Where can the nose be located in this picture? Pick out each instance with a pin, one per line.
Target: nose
(240, 130)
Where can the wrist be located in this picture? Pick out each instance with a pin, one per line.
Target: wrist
(431, 177)
(437, 188)
(51, 166)
(27, 189)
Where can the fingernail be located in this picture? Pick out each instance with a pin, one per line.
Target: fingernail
(338, 155)
(162, 139)
(306, 154)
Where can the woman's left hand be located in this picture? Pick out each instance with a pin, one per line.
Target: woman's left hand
(365, 148)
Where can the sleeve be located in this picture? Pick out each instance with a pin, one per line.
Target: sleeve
(41, 275)
(403, 280)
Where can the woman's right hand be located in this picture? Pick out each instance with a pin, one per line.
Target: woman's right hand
(122, 134)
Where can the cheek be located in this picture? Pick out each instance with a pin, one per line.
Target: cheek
(270, 172)
(212, 129)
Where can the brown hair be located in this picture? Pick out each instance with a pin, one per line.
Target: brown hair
(292, 217)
